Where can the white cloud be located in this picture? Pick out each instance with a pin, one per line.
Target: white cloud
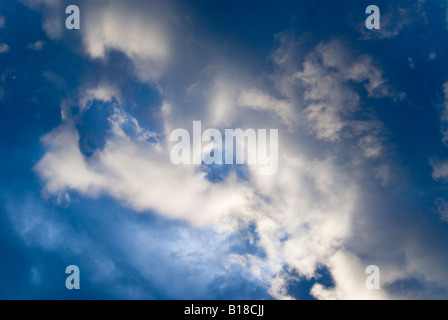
(2, 22)
(394, 19)
(440, 168)
(53, 26)
(326, 76)
(259, 100)
(4, 48)
(37, 46)
(104, 92)
(136, 30)
(53, 15)
(442, 209)
(324, 121)
(127, 170)
(350, 278)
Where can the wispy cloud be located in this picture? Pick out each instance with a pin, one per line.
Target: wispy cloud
(4, 48)
(37, 46)
(145, 41)
(440, 168)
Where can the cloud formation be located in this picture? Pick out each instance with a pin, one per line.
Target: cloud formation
(440, 168)
(37, 46)
(138, 31)
(4, 48)
(326, 208)
(301, 216)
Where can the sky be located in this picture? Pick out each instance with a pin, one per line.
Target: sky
(86, 177)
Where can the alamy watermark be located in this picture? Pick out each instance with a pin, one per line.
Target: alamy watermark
(73, 280)
(373, 280)
(73, 20)
(235, 146)
(373, 21)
